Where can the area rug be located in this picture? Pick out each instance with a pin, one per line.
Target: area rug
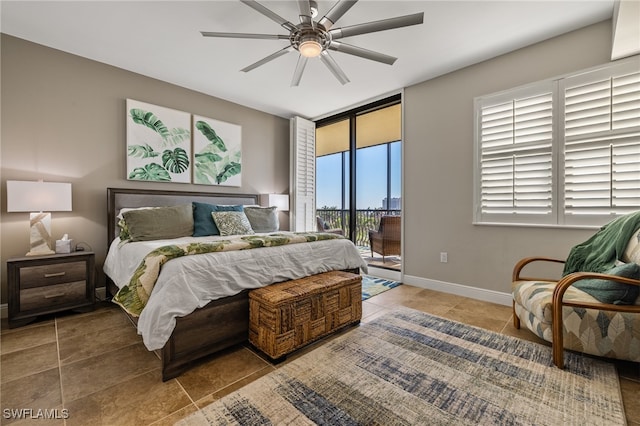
(408, 367)
(372, 286)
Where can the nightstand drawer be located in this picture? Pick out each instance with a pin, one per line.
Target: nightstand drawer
(40, 285)
(57, 273)
(53, 295)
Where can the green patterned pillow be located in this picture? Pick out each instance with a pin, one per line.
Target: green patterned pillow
(232, 223)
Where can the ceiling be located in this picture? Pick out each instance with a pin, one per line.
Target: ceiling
(161, 39)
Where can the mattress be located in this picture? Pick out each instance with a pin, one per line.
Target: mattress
(190, 282)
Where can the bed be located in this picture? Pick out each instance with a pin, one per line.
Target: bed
(221, 317)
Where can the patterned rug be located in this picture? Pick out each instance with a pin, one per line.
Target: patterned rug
(372, 286)
(408, 367)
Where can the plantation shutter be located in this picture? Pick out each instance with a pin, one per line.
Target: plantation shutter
(602, 142)
(303, 175)
(514, 135)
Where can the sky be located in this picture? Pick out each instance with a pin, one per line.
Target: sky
(371, 177)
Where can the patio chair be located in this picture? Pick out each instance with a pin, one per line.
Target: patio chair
(323, 227)
(595, 307)
(386, 240)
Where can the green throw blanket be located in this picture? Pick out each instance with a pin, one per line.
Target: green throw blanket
(134, 296)
(600, 252)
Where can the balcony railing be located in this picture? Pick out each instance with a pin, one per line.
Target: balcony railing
(365, 220)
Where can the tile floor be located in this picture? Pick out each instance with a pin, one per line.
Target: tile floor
(96, 368)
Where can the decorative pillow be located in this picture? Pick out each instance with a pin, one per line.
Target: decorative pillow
(632, 252)
(203, 224)
(615, 292)
(124, 230)
(263, 219)
(232, 223)
(160, 223)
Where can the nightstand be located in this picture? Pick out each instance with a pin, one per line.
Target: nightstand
(39, 285)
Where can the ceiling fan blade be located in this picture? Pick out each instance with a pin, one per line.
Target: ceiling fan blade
(333, 67)
(305, 11)
(361, 52)
(382, 25)
(245, 35)
(269, 14)
(297, 74)
(267, 59)
(336, 13)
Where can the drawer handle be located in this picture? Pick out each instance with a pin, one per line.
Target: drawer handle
(51, 296)
(57, 274)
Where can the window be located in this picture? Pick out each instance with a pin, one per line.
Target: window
(560, 152)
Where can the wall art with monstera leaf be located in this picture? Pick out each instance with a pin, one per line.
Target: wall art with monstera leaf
(158, 143)
(217, 152)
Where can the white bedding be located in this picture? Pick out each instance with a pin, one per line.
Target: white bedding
(190, 282)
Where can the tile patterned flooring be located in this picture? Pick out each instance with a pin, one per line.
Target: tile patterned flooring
(95, 366)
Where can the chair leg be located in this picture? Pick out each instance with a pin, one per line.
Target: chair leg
(557, 344)
(516, 320)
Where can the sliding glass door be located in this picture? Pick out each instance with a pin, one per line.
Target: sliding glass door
(358, 173)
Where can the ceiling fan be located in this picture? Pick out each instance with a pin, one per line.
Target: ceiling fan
(315, 38)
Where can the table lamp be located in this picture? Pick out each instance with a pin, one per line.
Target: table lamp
(39, 198)
(281, 201)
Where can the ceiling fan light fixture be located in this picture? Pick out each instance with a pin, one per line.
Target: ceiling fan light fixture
(310, 48)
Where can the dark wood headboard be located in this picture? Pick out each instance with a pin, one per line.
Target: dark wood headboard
(118, 198)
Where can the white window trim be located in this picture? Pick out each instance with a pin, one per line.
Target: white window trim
(556, 217)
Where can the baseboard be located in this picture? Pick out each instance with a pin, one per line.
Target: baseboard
(384, 273)
(460, 290)
(100, 295)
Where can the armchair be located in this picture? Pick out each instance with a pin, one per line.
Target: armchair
(386, 240)
(594, 312)
(323, 227)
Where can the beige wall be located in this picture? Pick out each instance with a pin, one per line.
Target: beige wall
(63, 119)
(438, 166)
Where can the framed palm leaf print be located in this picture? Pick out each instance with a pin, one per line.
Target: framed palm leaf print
(217, 152)
(158, 143)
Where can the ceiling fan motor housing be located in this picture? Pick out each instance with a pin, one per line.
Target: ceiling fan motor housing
(305, 33)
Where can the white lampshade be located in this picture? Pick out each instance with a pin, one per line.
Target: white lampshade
(280, 201)
(42, 197)
(29, 196)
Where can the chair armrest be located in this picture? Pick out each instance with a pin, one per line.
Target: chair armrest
(567, 281)
(527, 260)
(557, 303)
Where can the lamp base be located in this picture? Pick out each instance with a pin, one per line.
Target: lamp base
(40, 234)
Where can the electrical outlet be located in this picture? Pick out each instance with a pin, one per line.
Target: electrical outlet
(443, 257)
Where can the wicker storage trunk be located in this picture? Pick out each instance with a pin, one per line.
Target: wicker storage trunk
(286, 316)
